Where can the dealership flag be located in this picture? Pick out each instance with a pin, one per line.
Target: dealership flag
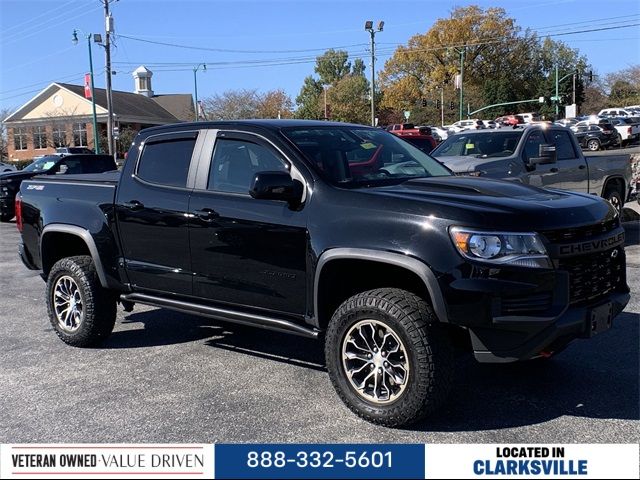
(87, 85)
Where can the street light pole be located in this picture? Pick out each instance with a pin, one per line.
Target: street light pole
(195, 88)
(557, 98)
(96, 141)
(368, 26)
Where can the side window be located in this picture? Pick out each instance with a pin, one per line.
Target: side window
(97, 165)
(235, 163)
(532, 147)
(166, 162)
(74, 166)
(564, 145)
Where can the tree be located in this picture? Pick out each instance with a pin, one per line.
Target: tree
(502, 64)
(232, 105)
(348, 100)
(624, 86)
(274, 104)
(4, 136)
(332, 66)
(309, 102)
(358, 67)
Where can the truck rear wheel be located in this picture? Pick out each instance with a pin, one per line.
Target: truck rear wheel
(81, 311)
(388, 358)
(613, 196)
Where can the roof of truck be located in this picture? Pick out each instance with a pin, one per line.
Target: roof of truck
(270, 124)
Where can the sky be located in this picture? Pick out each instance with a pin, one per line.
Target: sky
(286, 36)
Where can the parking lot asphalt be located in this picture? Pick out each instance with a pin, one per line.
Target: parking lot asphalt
(168, 377)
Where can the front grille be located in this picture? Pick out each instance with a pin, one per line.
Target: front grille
(593, 276)
(579, 233)
(538, 302)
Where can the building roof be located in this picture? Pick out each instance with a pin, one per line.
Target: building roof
(180, 105)
(127, 104)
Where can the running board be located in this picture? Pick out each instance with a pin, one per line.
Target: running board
(251, 319)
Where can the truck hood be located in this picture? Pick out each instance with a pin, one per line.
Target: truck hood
(465, 163)
(496, 203)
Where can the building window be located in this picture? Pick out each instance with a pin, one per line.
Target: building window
(80, 134)
(20, 138)
(59, 136)
(39, 137)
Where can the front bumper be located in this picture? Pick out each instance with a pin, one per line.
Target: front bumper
(494, 345)
(516, 314)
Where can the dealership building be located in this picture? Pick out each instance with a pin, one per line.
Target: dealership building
(61, 116)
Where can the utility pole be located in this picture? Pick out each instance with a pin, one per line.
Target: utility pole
(442, 105)
(107, 48)
(368, 26)
(557, 100)
(573, 102)
(462, 52)
(326, 116)
(196, 106)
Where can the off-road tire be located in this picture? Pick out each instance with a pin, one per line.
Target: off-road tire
(99, 304)
(427, 344)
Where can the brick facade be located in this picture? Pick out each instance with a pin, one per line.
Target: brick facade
(31, 151)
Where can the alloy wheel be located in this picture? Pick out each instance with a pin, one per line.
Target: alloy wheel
(375, 361)
(68, 304)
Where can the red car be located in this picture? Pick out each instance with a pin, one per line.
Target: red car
(421, 138)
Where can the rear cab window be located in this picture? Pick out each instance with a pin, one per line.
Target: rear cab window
(165, 159)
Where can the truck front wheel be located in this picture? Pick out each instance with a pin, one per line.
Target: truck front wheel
(388, 358)
(81, 311)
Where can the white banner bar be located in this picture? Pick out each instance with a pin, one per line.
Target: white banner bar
(106, 461)
(532, 461)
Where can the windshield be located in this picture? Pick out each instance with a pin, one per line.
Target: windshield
(479, 145)
(359, 157)
(41, 165)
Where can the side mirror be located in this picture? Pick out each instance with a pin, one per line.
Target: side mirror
(276, 186)
(546, 155)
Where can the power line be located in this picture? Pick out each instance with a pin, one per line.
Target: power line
(32, 19)
(224, 50)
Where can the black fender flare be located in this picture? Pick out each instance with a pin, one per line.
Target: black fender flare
(86, 237)
(421, 269)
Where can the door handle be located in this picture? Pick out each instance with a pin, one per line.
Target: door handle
(133, 205)
(554, 170)
(582, 167)
(207, 214)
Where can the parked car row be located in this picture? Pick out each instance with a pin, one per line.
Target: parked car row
(67, 164)
(543, 155)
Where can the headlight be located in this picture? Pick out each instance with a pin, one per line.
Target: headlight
(501, 248)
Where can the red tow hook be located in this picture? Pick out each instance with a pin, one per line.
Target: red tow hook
(546, 353)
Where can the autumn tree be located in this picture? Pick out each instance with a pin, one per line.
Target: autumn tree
(501, 62)
(274, 104)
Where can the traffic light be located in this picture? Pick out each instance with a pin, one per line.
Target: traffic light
(438, 104)
(424, 102)
(591, 75)
(452, 106)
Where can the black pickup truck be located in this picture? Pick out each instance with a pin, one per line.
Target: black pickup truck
(332, 231)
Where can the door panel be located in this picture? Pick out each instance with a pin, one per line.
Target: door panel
(573, 173)
(246, 251)
(545, 175)
(152, 214)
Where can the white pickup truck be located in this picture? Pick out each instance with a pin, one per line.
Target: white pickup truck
(628, 130)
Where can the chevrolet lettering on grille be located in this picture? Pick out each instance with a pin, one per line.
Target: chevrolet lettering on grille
(595, 245)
